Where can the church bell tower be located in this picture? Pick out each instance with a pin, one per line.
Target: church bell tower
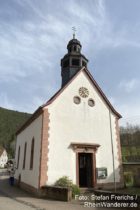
(73, 61)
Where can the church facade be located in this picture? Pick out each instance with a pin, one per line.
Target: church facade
(74, 134)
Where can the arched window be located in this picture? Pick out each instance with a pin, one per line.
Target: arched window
(66, 63)
(18, 157)
(32, 154)
(75, 62)
(24, 159)
(74, 48)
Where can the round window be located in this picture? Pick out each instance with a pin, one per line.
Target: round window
(77, 99)
(91, 102)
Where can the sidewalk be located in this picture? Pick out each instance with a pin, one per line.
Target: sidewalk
(36, 203)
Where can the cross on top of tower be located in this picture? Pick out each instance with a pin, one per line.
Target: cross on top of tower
(74, 29)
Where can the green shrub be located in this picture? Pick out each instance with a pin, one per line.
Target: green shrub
(66, 182)
(75, 190)
(128, 179)
(63, 182)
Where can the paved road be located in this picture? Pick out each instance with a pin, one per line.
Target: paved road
(11, 204)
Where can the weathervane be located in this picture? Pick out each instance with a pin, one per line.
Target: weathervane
(74, 29)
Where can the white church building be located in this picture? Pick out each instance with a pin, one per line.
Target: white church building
(74, 134)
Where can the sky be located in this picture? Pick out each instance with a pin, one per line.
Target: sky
(33, 39)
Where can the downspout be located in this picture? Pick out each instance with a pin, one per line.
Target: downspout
(112, 150)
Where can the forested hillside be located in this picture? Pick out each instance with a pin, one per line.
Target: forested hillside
(10, 121)
(130, 143)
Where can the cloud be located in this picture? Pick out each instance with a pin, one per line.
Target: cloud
(130, 114)
(33, 39)
(29, 47)
(26, 107)
(5, 102)
(129, 85)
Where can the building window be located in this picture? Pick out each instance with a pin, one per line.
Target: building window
(91, 102)
(84, 63)
(77, 99)
(18, 157)
(74, 48)
(66, 63)
(32, 154)
(24, 159)
(75, 62)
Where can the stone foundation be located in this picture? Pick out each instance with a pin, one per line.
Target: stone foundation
(109, 186)
(48, 192)
(28, 188)
(56, 193)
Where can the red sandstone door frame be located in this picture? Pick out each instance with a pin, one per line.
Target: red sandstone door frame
(86, 148)
(93, 168)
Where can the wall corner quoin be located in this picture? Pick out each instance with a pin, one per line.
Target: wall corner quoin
(119, 153)
(44, 150)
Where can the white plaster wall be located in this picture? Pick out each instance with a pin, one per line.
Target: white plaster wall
(79, 123)
(3, 159)
(28, 176)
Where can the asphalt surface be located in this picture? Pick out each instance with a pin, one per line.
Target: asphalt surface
(10, 204)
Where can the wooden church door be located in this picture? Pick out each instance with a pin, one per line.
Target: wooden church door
(85, 170)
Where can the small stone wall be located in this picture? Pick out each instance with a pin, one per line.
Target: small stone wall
(56, 193)
(48, 192)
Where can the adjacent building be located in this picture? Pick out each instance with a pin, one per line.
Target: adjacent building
(3, 157)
